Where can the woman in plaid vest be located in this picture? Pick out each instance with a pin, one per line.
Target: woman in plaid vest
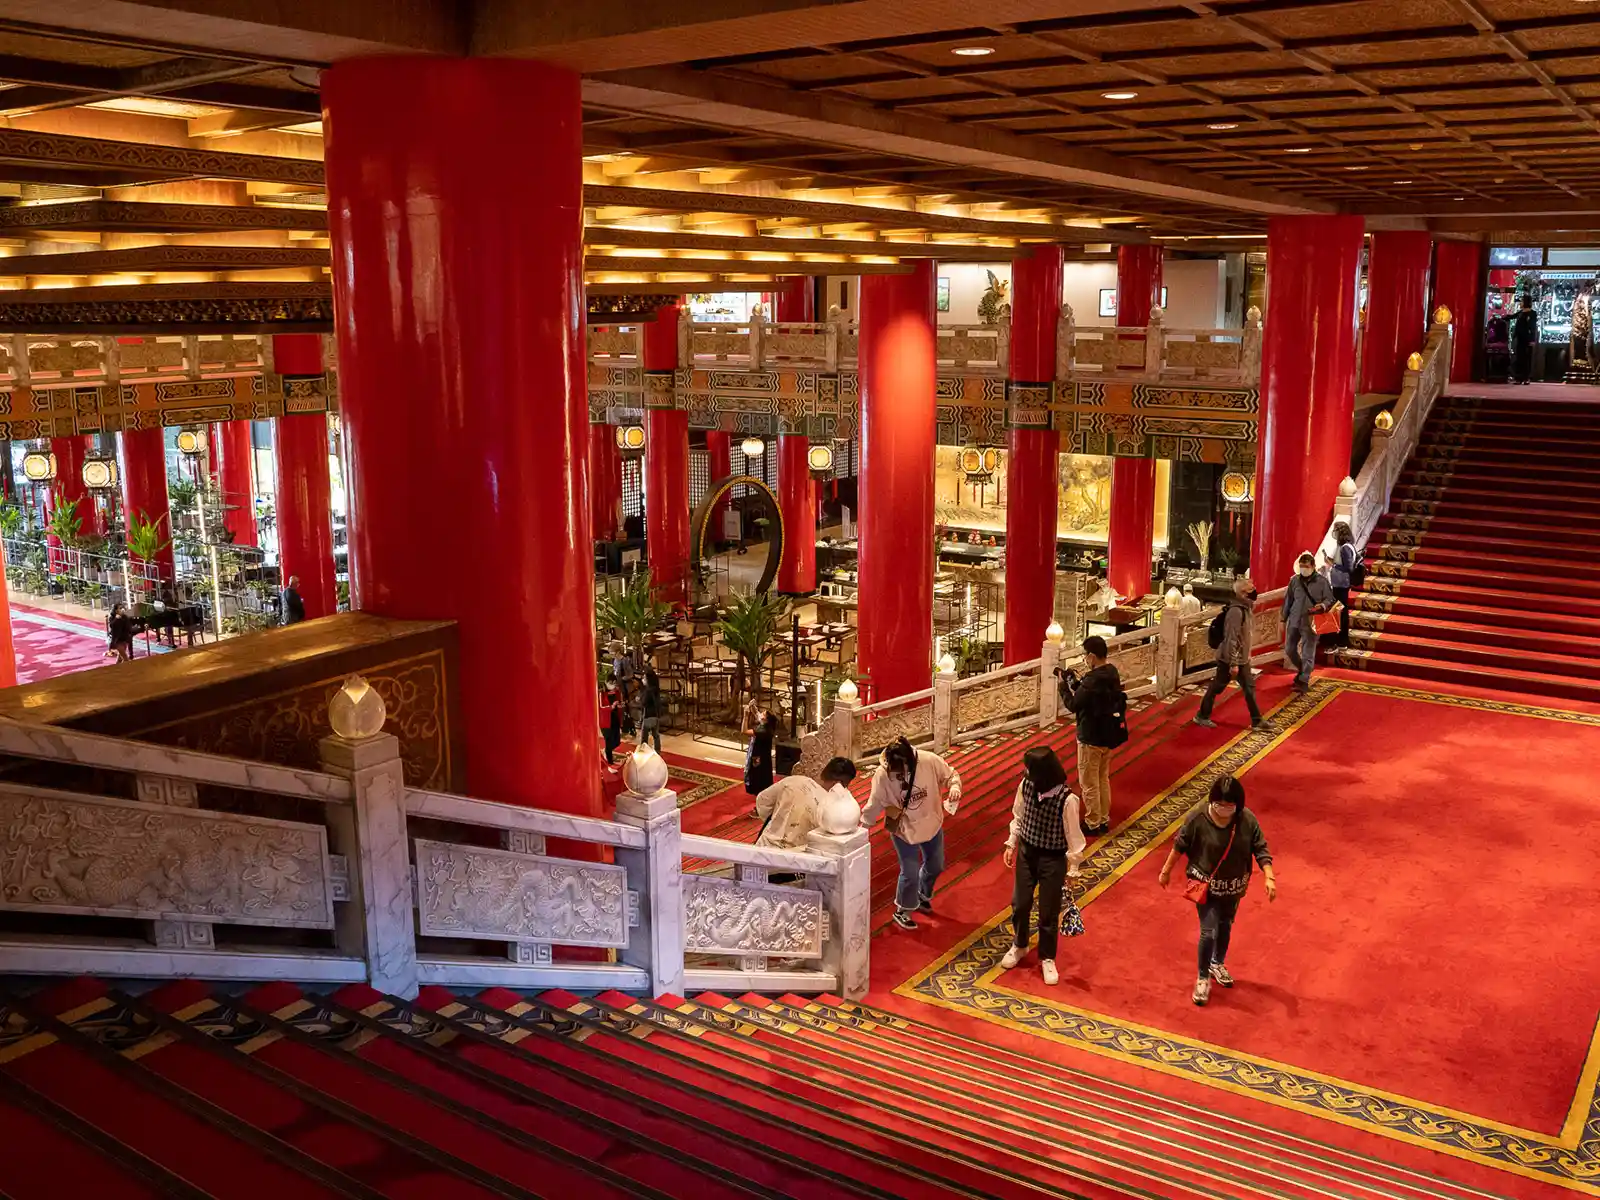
(1044, 819)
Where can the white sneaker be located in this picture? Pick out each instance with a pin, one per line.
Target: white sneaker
(1051, 975)
(1202, 991)
(1012, 958)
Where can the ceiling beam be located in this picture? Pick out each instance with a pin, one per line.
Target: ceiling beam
(150, 161)
(605, 235)
(730, 266)
(122, 216)
(149, 259)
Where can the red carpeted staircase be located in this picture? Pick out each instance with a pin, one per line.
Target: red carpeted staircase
(188, 1092)
(1487, 567)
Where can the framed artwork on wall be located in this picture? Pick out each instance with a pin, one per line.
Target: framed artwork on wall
(1108, 301)
(943, 293)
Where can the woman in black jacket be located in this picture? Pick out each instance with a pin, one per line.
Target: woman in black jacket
(1223, 842)
(758, 760)
(611, 723)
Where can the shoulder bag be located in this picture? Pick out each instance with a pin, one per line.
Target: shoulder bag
(1196, 890)
(892, 812)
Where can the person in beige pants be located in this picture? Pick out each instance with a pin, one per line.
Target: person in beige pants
(1096, 702)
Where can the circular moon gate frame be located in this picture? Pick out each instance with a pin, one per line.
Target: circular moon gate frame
(722, 489)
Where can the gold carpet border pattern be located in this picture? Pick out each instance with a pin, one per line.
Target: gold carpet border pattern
(964, 980)
(705, 786)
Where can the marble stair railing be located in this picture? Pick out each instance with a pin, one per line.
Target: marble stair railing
(178, 863)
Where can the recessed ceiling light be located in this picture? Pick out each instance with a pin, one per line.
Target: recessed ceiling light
(1297, 150)
(1224, 125)
(1119, 95)
(973, 51)
(1401, 182)
(1355, 168)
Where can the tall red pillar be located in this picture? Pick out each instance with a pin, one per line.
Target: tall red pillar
(898, 381)
(304, 504)
(1458, 280)
(236, 477)
(1308, 357)
(666, 459)
(144, 487)
(1133, 480)
(719, 465)
(605, 482)
(1397, 307)
(459, 311)
(68, 486)
(797, 498)
(1032, 451)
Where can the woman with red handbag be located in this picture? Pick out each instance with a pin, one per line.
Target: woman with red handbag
(1223, 842)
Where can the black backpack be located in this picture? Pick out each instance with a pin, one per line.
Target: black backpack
(1114, 721)
(1218, 630)
(1358, 569)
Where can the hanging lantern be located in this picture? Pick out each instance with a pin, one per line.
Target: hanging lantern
(630, 440)
(99, 474)
(820, 459)
(191, 441)
(39, 466)
(979, 464)
(1238, 490)
(753, 447)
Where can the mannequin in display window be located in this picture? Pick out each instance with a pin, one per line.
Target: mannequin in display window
(1583, 328)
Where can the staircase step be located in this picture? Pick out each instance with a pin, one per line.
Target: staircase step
(1528, 411)
(1584, 552)
(1389, 661)
(1497, 448)
(1582, 487)
(1453, 627)
(1556, 475)
(1503, 578)
(1486, 658)
(1455, 604)
(44, 1161)
(1551, 535)
(1576, 576)
(1458, 500)
(1476, 592)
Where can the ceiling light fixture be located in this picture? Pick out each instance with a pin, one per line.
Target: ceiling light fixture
(1297, 150)
(1355, 168)
(973, 51)
(1401, 182)
(1224, 125)
(1119, 95)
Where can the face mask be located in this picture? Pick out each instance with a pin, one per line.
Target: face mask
(1307, 572)
(1252, 594)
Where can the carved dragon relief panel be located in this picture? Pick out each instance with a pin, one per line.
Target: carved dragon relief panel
(723, 917)
(476, 892)
(1135, 663)
(1197, 651)
(92, 855)
(997, 702)
(1267, 629)
(916, 724)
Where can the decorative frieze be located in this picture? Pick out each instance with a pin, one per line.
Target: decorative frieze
(750, 919)
(981, 704)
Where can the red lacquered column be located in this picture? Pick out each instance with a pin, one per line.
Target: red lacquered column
(1133, 480)
(605, 481)
(305, 510)
(1032, 452)
(719, 465)
(237, 479)
(666, 459)
(898, 379)
(797, 499)
(144, 486)
(68, 487)
(1458, 274)
(459, 308)
(1307, 387)
(1397, 307)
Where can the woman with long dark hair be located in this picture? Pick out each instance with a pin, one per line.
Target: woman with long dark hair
(1223, 842)
(758, 770)
(1341, 566)
(1045, 845)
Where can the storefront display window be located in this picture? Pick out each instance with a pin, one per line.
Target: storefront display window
(1561, 281)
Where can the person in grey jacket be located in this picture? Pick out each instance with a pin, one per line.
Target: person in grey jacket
(1307, 595)
(1233, 657)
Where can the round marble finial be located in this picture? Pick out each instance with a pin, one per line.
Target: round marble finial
(1384, 421)
(848, 692)
(1174, 597)
(1442, 315)
(356, 710)
(1347, 487)
(645, 772)
(840, 812)
(1414, 361)
(1054, 633)
(1253, 314)
(947, 665)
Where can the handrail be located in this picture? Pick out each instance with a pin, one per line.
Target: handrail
(984, 677)
(745, 854)
(905, 701)
(465, 810)
(57, 744)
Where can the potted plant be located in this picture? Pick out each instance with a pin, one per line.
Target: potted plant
(633, 612)
(144, 538)
(749, 625)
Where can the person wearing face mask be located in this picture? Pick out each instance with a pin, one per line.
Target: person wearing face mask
(1308, 594)
(1044, 828)
(1233, 657)
(906, 787)
(1223, 843)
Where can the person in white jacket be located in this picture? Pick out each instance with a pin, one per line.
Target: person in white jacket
(1044, 828)
(915, 790)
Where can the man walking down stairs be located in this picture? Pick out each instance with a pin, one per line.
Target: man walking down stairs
(1487, 566)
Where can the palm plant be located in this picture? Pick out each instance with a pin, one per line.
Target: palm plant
(144, 537)
(65, 523)
(749, 625)
(633, 612)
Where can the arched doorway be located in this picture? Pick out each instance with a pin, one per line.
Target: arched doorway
(722, 489)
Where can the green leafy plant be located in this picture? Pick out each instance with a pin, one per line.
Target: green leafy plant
(144, 537)
(633, 612)
(342, 592)
(65, 523)
(12, 521)
(749, 624)
(181, 493)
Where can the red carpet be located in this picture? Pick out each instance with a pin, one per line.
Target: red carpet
(1487, 561)
(48, 644)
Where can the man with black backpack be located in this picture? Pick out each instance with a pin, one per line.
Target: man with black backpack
(1230, 636)
(1100, 707)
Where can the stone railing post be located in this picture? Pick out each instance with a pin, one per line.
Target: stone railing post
(377, 924)
(1154, 344)
(847, 899)
(1066, 335)
(1169, 651)
(846, 722)
(1250, 358)
(655, 944)
(944, 703)
(1049, 660)
(685, 339)
(1003, 343)
(758, 319)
